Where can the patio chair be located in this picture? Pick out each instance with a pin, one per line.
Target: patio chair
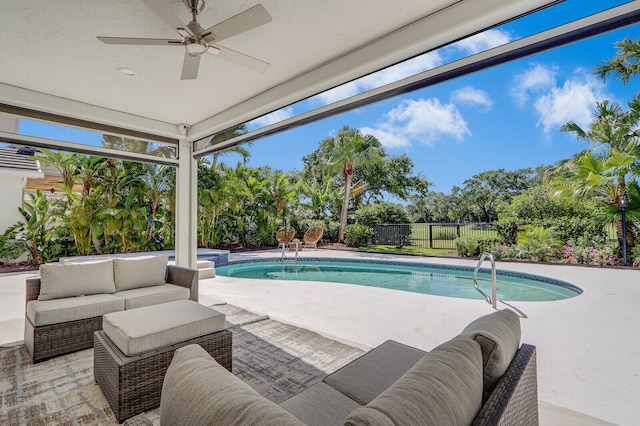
(284, 235)
(312, 236)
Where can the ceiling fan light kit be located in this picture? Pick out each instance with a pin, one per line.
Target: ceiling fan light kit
(198, 40)
(196, 47)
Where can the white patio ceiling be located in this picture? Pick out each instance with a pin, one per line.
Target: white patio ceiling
(51, 60)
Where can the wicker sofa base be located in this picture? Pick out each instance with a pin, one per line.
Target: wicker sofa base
(133, 384)
(48, 341)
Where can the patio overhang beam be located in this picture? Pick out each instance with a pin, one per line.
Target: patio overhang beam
(36, 142)
(26, 103)
(83, 124)
(581, 29)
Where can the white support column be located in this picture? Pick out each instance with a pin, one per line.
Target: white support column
(186, 206)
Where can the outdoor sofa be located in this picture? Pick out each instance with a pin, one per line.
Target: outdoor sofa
(481, 377)
(65, 304)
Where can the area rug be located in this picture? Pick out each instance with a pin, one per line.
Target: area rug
(276, 359)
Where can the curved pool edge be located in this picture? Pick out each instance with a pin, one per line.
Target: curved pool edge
(444, 266)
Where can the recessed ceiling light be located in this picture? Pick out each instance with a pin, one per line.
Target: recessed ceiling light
(128, 71)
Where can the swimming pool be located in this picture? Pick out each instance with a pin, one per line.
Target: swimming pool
(442, 280)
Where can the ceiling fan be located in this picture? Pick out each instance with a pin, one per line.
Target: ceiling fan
(198, 40)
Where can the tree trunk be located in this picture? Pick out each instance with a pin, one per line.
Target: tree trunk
(345, 207)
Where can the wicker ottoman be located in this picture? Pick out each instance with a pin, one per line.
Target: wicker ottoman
(127, 366)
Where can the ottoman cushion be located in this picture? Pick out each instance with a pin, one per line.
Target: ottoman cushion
(140, 330)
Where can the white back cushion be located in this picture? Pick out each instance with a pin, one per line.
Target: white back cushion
(59, 281)
(139, 272)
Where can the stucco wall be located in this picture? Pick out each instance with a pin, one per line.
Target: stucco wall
(10, 200)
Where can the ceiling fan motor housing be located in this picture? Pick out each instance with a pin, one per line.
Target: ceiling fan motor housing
(195, 6)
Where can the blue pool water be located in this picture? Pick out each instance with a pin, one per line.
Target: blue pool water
(442, 280)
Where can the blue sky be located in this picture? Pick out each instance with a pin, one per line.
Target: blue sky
(504, 117)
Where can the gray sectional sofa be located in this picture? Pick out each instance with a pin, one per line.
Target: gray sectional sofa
(65, 304)
(481, 377)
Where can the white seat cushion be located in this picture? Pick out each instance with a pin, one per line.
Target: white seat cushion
(140, 330)
(46, 312)
(59, 281)
(146, 296)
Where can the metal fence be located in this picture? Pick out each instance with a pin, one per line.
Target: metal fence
(440, 235)
(428, 235)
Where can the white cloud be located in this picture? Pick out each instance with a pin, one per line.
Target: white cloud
(389, 139)
(422, 120)
(471, 96)
(574, 101)
(389, 75)
(483, 41)
(538, 77)
(271, 118)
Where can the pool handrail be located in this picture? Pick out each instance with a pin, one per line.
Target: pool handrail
(491, 300)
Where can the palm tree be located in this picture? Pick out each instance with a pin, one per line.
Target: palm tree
(612, 160)
(243, 152)
(151, 188)
(65, 163)
(323, 196)
(283, 192)
(624, 65)
(345, 153)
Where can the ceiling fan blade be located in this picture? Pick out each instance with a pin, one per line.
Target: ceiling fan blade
(240, 59)
(243, 21)
(190, 66)
(167, 15)
(138, 41)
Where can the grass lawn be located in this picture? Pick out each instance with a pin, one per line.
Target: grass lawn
(406, 250)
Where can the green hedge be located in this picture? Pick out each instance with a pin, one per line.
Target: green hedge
(358, 235)
(565, 228)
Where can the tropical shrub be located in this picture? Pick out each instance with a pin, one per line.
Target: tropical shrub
(467, 246)
(9, 248)
(358, 235)
(474, 246)
(538, 243)
(635, 255)
(588, 252)
(35, 231)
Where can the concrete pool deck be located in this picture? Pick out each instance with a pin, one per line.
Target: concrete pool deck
(588, 353)
(588, 369)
